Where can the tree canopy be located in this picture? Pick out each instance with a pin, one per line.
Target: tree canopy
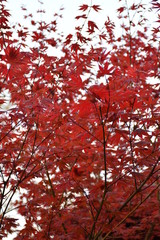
(80, 125)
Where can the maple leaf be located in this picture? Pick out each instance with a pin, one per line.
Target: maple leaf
(22, 33)
(52, 42)
(37, 36)
(109, 25)
(134, 6)
(91, 27)
(83, 7)
(84, 16)
(96, 7)
(156, 4)
(12, 54)
(102, 36)
(75, 47)
(33, 22)
(105, 70)
(68, 39)
(23, 8)
(121, 9)
(81, 38)
(77, 172)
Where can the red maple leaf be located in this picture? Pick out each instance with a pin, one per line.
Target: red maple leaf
(84, 16)
(91, 27)
(12, 55)
(83, 7)
(156, 4)
(121, 9)
(96, 8)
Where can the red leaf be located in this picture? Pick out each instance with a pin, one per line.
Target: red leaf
(102, 36)
(2, 101)
(75, 47)
(96, 8)
(52, 42)
(91, 27)
(106, 70)
(156, 4)
(81, 16)
(37, 36)
(68, 39)
(12, 54)
(121, 9)
(83, 7)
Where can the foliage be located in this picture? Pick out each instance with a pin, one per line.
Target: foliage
(79, 140)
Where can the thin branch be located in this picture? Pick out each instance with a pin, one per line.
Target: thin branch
(105, 170)
(85, 130)
(49, 179)
(131, 212)
(136, 191)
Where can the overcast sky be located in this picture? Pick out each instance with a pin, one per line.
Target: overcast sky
(66, 24)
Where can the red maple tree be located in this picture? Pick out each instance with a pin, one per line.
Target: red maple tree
(80, 138)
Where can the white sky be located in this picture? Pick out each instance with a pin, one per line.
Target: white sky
(67, 24)
(70, 9)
